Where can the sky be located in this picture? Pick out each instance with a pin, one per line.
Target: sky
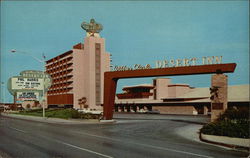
(136, 32)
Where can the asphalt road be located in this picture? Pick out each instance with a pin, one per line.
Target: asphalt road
(128, 138)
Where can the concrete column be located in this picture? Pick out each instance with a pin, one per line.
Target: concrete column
(138, 108)
(116, 108)
(128, 108)
(134, 107)
(205, 110)
(141, 107)
(218, 95)
(122, 108)
(149, 108)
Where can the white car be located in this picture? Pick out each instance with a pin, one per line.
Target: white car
(141, 111)
(90, 111)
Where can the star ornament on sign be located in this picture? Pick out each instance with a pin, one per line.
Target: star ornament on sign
(92, 27)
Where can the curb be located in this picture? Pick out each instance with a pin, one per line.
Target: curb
(107, 121)
(213, 140)
(49, 120)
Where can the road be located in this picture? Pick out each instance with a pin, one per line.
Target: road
(128, 138)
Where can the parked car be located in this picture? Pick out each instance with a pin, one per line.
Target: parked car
(90, 111)
(141, 111)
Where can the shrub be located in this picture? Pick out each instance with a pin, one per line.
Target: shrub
(75, 114)
(234, 114)
(90, 116)
(232, 123)
(64, 113)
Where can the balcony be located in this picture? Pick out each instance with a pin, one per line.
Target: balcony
(66, 62)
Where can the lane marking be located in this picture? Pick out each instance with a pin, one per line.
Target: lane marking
(87, 150)
(90, 151)
(168, 149)
(146, 145)
(19, 130)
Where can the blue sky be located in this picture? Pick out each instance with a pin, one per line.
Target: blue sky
(138, 32)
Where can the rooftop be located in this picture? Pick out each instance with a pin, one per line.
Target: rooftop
(138, 86)
(239, 93)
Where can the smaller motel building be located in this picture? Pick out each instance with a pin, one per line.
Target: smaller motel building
(169, 98)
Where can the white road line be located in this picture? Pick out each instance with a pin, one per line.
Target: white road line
(85, 149)
(146, 145)
(77, 147)
(168, 149)
(19, 130)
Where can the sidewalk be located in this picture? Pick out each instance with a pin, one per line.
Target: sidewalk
(51, 120)
(192, 132)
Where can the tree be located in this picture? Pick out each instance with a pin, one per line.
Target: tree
(82, 102)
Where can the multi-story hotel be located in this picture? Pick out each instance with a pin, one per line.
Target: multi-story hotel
(78, 74)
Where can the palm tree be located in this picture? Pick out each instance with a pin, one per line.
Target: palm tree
(82, 102)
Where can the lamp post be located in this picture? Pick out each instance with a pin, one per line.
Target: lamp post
(44, 69)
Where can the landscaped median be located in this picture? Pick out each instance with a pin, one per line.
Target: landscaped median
(54, 115)
(230, 129)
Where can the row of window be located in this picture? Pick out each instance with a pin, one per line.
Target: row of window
(59, 67)
(62, 79)
(62, 56)
(60, 85)
(58, 62)
(61, 74)
(63, 90)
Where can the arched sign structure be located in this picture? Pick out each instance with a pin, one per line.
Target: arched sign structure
(111, 78)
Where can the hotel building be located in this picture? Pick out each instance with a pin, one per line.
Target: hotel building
(78, 76)
(79, 73)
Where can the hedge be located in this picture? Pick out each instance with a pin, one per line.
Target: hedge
(60, 113)
(232, 123)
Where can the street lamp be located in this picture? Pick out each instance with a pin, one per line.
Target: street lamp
(44, 69)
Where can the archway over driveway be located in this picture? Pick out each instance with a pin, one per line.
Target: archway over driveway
(111, 78)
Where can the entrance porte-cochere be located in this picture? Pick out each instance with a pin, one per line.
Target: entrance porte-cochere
(111, 78)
